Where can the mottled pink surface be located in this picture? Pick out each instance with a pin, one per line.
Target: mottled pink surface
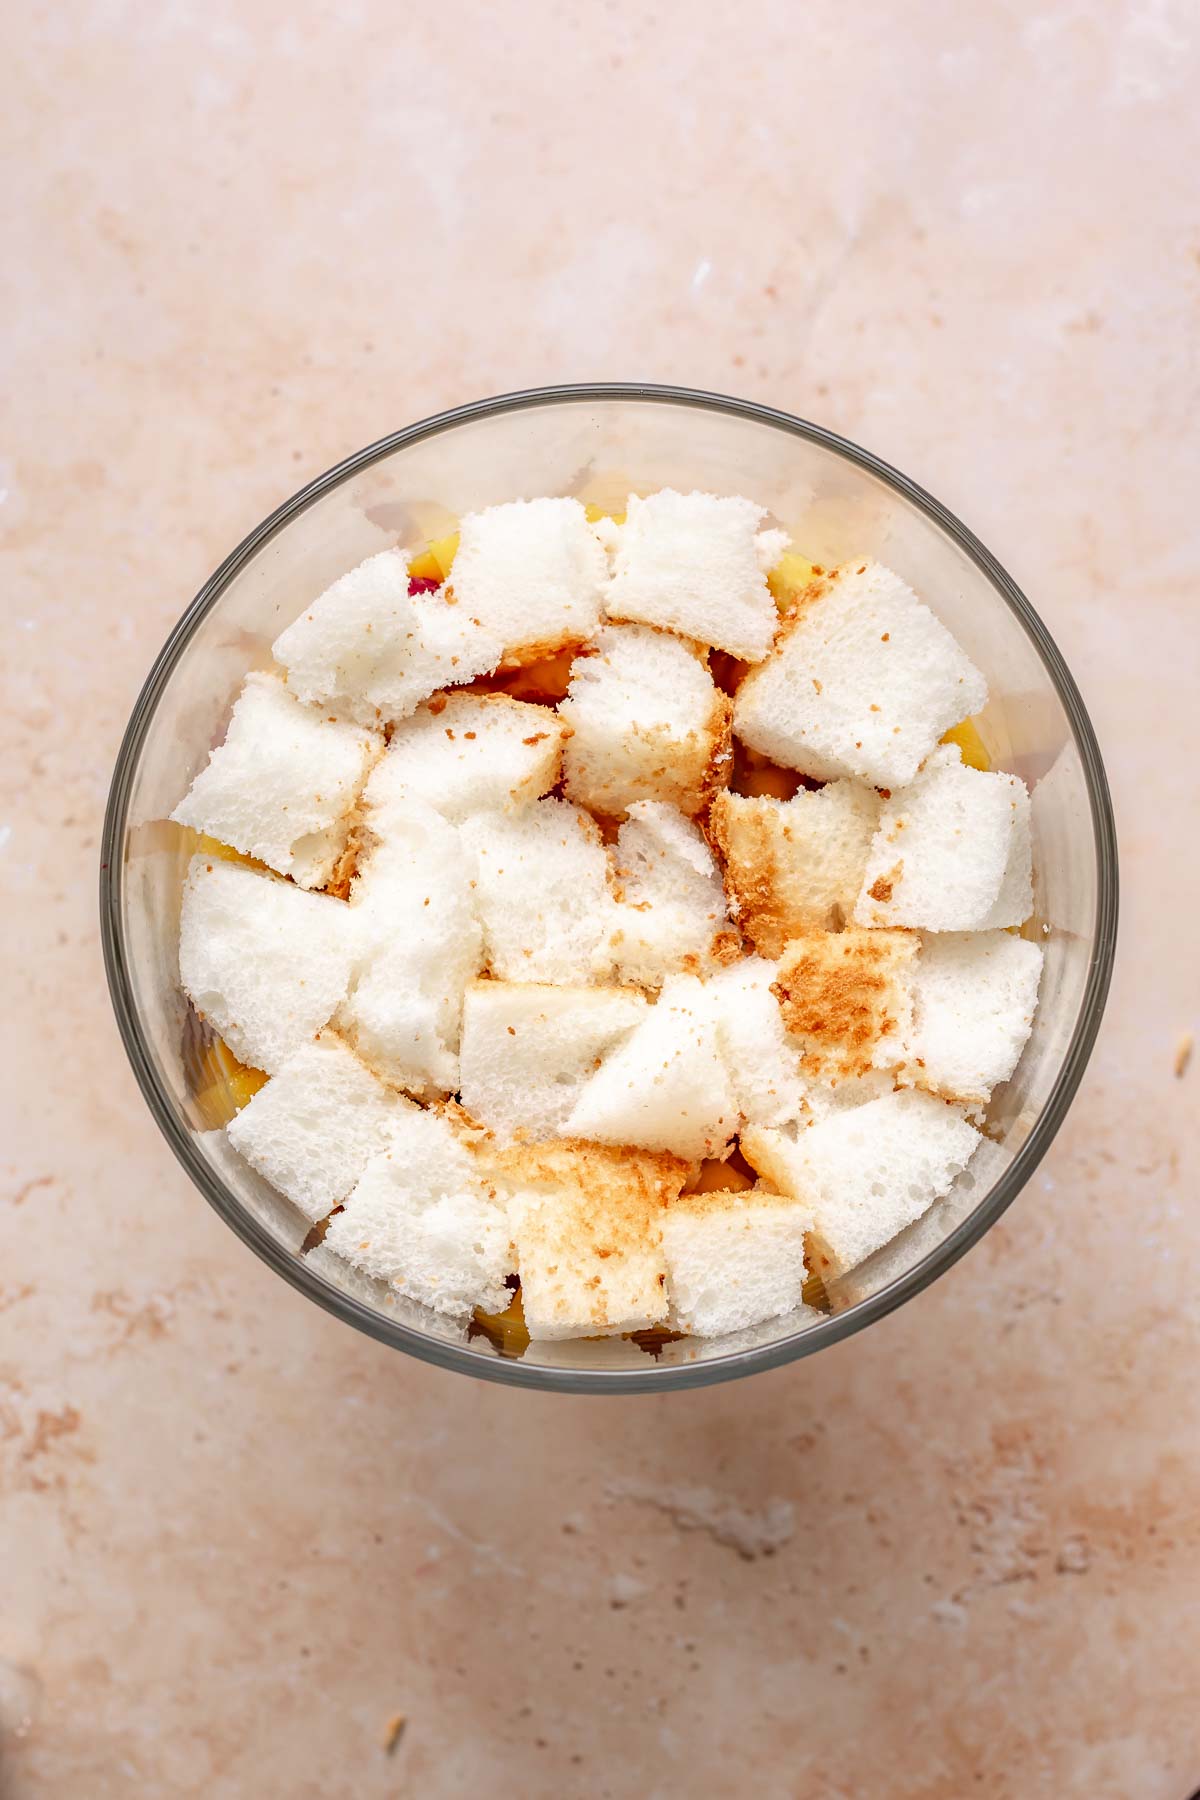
(243, 240)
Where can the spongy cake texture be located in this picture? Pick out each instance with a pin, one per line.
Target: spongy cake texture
(795, 865)
(373, 651)
(863, 680)
(734, 1259)
(282, 785)
(690, 563)
(265, 963)
(531, 574)
(466, 753)
(647, 723)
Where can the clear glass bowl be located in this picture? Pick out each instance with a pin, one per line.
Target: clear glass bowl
(601, 442)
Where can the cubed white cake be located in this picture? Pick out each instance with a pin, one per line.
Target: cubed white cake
(974, 997)
(532, 573)
(465, 753)
(691, 563)
(265, 963)
(795, 865)
(370, 650)
(541, 892)
(647, 723)
(529, 1048)
(734, 1259)
(587, 1224)
(863, 680)
(315, 1125)
(666, 1087)
(846, 1000)
(419, 943)
(865, 1173)
(282, 785)
(421, 1219)
(763, 1062)
(942, 858)
(670, 912)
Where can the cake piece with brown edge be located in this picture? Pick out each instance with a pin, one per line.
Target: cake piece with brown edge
(670, 912)
(587, 1224)
(866, 1173)
(283, 785)
(532, 573)
(370, 650)
(696, 564)
(795, 865)
(862, 680)
(647, 723)
(846, 998)
(734, 1259)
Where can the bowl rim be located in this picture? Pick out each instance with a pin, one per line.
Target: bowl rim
(656, 1376)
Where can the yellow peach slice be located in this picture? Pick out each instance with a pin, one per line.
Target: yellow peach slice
(595, 513)
(433, 563)
(506, 1330)
(967, 737)
(225, 1084)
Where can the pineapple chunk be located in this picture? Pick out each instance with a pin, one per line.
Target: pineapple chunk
(967, 737)
(433, 563)
(596, 513)
(789, 578)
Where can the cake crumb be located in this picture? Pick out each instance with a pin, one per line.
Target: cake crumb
(393, 1731)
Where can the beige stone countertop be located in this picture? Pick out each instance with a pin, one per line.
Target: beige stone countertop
(237, 1538)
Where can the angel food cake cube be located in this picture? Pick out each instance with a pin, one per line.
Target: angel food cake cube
(372, 651)
(846, 1000)
(697, 565)
(763, 1062)
(862, 681)
(734, 1259)
(466, 753)
(666, 1087)
(587, 1225)
(265, 963)
(282, 785)
(795, 865)
(418, 943)
(316, 1124)
(866, 1173)
(532, 573)
(647, 722)
(541, 892)
(670, 912)
(974, 997)
(528, 1049)
(421, 1219)
(952, 852)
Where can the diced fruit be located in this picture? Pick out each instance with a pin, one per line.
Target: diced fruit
(714, 1177)
(967, 737)
(506, 1330)
(229, 1086)
(789, 578)
(423, 584)
(814, 1292)
(756, 776)
(654, 1338)
(198, 843)
(434, 562)
(596, 513)
(544, 681)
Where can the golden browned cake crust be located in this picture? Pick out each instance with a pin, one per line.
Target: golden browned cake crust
(843, 995)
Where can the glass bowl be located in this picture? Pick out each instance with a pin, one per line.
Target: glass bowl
(601, 442)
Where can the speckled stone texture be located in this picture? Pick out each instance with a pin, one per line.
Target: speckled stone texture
(959, 1554)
